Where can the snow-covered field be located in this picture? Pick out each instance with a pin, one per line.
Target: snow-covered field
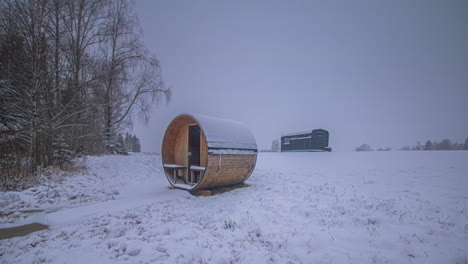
(373, 207)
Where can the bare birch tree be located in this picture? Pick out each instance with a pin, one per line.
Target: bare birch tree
(130, 79)
(82, 28)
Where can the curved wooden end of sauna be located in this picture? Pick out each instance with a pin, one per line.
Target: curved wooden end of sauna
(220, 169)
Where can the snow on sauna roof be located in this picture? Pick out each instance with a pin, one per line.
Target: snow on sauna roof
(226, 136)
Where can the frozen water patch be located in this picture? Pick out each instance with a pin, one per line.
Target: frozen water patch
(19, 231)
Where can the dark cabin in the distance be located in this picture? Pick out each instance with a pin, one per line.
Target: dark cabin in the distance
(315, 140)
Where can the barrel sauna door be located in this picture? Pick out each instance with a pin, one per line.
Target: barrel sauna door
(194, 145)
(194, 152)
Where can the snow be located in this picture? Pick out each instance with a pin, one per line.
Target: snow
(297, 138)
(224, 134)
(328, 207)
(3, 128)
(174, 166)
(183, 186)
(198, 168)
(305, 132)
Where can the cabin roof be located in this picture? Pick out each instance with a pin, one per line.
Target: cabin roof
(226, 136)
(297, 133)
(301, 132)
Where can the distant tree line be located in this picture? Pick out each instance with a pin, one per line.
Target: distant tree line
(363, 147)
(72, 76)
(122, 145)
(367, 147)
(445, 144)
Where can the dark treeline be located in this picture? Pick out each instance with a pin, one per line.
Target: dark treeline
(445, 144)
(72, 75)
(122, 145)
(132, 143)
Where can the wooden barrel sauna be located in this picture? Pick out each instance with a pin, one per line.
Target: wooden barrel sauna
(203, 152)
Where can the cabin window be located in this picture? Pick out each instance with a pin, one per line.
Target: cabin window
(286, 141)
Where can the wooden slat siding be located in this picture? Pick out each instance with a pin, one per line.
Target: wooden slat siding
(168, 149)
(234, 169)
(252, 167)
(210, 171)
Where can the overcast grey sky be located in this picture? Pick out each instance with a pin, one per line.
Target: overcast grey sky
(386, 73)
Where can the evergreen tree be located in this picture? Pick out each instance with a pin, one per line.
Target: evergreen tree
(465, 146)
(120, 145)
(428, 145)
(62, 155)
(116, 144)
(136, 144)
(446, 144)
(132, 143)
(129, 141)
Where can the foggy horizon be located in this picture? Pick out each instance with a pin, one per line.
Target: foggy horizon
(387, 74)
